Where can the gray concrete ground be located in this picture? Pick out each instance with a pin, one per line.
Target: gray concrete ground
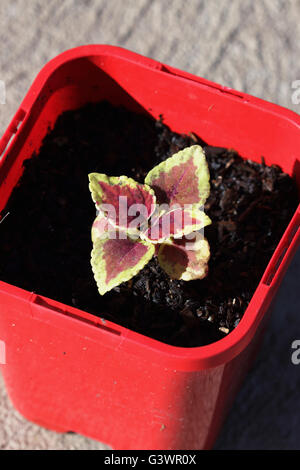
(248, 45)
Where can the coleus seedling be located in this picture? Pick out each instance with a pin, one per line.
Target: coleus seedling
(162, 217)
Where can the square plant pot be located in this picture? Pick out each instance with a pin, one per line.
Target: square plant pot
(67, 370)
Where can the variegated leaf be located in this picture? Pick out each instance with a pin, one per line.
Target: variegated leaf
(175, 223)
(126, 203)
(181, 179)
(116, 257)
(185, 259)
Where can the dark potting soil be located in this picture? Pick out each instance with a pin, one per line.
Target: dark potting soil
(45, 242)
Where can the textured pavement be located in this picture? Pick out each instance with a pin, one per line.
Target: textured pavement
(251, 46)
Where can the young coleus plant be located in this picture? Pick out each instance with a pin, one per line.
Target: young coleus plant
(162, 217)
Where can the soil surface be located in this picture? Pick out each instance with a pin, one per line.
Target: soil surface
(45, 241)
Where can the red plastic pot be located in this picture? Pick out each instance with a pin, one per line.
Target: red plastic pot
(68, 370)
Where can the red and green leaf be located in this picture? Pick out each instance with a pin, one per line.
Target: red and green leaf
(122, 198)
(185, 259)
(116, 257)
(175, 223)
(181, 179)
